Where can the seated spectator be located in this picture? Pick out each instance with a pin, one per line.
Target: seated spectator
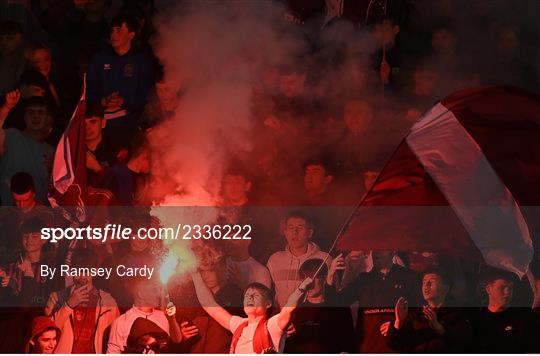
(82, 312)
(318, 177)
(319, 327)
(44, 335)
(121, 79)
(434, 328)
(12, 61)
(499, 328)
(235, 188)
(284, 265)
(27, 151)
(235, 195)
(258, 333)
(244, 269)
(377, 292)
(146, 299)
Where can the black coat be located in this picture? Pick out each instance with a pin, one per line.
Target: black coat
(417, 336)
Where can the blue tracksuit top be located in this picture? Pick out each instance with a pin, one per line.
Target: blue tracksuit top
(132, 75)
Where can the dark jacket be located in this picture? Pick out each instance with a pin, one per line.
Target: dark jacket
(417, 336)
(510, 331)
(320, 328)
(212, 338)
(132, 75)
(377, 296)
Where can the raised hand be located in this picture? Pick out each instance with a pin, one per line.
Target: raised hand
(26, 267)
(401, 310)
(79, 295)
(338, 264)
(12, 98)
(304, 286)
(431, 316)
(170, 311)
(384, 72)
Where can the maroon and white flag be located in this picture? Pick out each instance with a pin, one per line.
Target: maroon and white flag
(460, 182)
(69, 169)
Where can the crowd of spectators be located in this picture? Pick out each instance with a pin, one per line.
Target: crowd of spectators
(318, 144)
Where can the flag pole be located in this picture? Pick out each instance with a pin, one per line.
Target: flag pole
(353, 212)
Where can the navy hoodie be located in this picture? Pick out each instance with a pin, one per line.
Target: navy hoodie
(132, 75)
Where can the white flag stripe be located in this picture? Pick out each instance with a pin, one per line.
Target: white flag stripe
(475, 192)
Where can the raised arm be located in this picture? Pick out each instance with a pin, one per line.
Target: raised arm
(286, 313)
(12, 98)
(174, 328)
(209, 304)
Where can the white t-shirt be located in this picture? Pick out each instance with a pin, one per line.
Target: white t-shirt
(252, 271)
(245, 342)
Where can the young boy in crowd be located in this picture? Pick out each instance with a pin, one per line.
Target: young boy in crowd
(26, 151)
(500, 328)
(44, 335)
(258, 333)
(121, 78)
(319, 326)
(436, 327)
(284, 265)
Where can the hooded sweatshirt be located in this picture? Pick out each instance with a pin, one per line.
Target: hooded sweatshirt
(284, 266)
(142, 327)
(121, 327)
(106, 313)
(39, 325)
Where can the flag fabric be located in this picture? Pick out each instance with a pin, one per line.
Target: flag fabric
(69, 168)
(460, 182)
